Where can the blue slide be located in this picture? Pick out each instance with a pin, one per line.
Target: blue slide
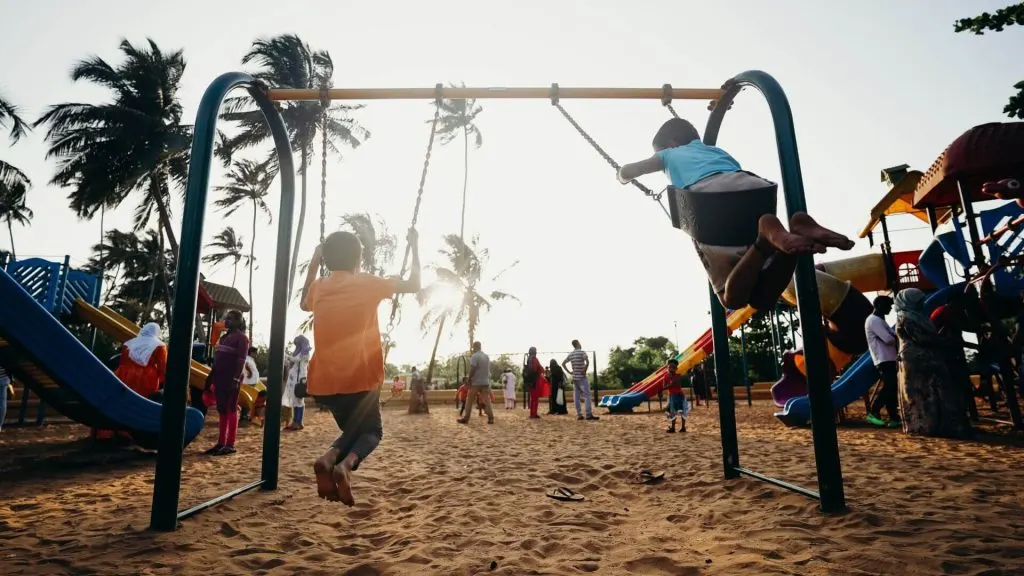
(50, 361)
(856, 381)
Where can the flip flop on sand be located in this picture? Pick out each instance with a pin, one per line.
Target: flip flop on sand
(650, 476)
(565, 495)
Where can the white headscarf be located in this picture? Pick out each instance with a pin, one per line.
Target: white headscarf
(142, 346)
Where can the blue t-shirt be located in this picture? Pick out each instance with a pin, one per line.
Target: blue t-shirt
(695, 161)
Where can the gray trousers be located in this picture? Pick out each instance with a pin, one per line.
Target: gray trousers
(581, 387)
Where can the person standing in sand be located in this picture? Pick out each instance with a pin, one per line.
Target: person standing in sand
(297, 365)
(580, 362)
(882, 346)
(508, 380)
(226, 379)
(347, 367)
(479, 384)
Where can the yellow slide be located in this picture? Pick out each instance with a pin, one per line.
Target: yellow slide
(122, 329)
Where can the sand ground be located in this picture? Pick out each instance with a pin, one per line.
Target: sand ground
(439, 498)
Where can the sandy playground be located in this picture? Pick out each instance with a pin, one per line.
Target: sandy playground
(439, 498)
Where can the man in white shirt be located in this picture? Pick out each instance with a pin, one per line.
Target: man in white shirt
(883, 349)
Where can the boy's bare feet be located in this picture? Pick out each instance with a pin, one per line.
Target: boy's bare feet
(326, 487)
(342, 479)
(802, 224)
(771, 229)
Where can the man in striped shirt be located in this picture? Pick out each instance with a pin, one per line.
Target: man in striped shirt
(580, 363)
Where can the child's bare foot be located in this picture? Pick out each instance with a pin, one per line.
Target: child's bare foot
(771, 229)
(342, 479)
(326, 487)
(802, 224)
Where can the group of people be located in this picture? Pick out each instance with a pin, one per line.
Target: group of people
(538, 382)
(926, 387)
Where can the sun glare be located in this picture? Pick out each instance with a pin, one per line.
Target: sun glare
(449, 297)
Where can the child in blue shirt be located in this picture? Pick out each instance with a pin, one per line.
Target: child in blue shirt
(756, 271)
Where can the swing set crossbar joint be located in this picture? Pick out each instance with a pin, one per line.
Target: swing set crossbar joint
(494, 92)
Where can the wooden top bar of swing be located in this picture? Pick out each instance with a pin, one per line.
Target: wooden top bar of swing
(495, 92)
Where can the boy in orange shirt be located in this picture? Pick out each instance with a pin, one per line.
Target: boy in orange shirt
(347, 368)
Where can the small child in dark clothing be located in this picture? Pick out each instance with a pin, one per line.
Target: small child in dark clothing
(677, 403)
(259, 408)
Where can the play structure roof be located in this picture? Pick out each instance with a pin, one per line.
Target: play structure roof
(985, 153)
(224, 297)
(900, 200)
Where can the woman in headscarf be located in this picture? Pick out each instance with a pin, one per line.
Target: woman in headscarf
(297, 364)
(143, 362)
(556, 399)
(930, 402)
(533, 377)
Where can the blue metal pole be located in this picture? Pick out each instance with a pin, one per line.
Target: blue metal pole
(167, 483)
(826, 442)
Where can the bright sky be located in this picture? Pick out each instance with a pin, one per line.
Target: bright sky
(872, 84)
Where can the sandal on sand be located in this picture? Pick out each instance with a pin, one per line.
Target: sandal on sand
(565, 495)
(650, 476)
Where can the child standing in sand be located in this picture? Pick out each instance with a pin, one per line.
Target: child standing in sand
(755, 267)
(347, 368)
(226, 380)
(677, 404)
(462, 394)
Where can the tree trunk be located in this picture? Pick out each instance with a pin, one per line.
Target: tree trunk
(433, 353)
(465, 180)
(234, 274)
(10, 232)
(148, 310)
(302, 220)
(252, 256)
(162, 262)
(164, 215)
(474, 316)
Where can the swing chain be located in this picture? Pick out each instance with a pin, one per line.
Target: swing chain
(325, 103)
(438, 89)
(666, 99)
(593, 143)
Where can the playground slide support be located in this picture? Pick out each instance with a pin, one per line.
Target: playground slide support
(826, 443)
(972, 225)
(167, 484)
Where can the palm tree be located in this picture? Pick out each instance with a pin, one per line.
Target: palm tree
(229, 247)
(9, 115)
(458, 117)
(287, 61)
(134, 142)
(13, 208)
(131, 272)
(248, 183)
(379, 244)
(463, 278)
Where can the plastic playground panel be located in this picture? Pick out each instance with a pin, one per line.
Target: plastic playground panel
(67, 376)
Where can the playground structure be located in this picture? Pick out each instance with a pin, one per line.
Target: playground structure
(52, 363)
(943, 197)
(165, 514)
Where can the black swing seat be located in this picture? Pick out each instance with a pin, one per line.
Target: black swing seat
(721, 218)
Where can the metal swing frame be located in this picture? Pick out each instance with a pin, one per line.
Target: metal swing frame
(166, 489)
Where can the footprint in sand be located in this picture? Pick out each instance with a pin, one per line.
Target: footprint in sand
(651, 565)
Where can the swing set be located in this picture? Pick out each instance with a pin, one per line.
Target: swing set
(165, 515)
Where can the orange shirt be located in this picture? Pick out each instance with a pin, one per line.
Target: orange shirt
(215, 334)
(144, 380)
(348, 356)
